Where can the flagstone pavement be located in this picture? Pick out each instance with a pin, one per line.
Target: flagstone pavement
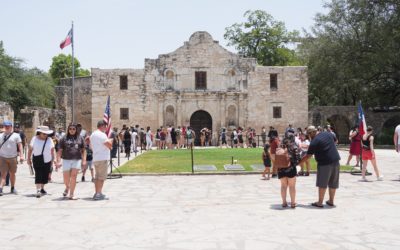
(224, 212)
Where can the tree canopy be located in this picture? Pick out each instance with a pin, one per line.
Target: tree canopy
(353, 53)
(22, 87)
(61, 67)
(263, 38)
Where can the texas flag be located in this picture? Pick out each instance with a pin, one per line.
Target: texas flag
(362, 125)
(67, 41)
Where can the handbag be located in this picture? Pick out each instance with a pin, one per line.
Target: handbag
(38, 160)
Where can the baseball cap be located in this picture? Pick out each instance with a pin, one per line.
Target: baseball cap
(7, 123)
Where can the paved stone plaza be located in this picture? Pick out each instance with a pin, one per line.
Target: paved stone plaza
(204, 212)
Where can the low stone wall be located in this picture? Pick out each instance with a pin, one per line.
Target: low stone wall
(6, 112)
(32, 117)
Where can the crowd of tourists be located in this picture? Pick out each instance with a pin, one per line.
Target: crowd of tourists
(78, 150)
(48, 150)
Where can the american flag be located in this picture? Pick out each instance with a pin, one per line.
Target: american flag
(107, 117)
(362, 125)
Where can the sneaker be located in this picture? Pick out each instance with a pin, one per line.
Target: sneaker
(13, 190)
(42, 191)
(83, 178)
(38, 194)
(97, 197)
(363, 179)
(380, 178)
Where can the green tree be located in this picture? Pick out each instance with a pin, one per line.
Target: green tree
(263, 38)
(61, 67)
(22, 87)
(353, 53)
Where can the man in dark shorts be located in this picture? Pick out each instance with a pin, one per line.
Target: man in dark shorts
(323, 147)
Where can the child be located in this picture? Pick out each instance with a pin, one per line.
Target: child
(89, 160)
(267, 162)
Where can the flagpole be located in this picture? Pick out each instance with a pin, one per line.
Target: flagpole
(73, 75)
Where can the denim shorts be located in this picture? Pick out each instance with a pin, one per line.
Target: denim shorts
(71, 164)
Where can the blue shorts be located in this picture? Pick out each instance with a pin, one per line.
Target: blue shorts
(71, 164)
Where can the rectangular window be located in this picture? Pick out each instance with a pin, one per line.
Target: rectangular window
(123, 82)
(124, 114)
(277, 112)
(273, 81)
(244, 84)
(201, 80)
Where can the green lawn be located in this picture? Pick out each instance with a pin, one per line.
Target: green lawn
(174, 161)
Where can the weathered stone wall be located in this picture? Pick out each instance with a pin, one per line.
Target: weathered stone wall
(6, 112)
(237, 94)
(345, 117)
(83, 100)
(32, 117)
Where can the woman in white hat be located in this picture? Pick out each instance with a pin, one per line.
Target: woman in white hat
(41, 155)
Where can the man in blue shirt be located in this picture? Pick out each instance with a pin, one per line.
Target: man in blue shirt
(324, 148)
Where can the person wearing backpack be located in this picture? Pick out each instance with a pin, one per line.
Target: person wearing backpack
(287, 158)
(127, 142)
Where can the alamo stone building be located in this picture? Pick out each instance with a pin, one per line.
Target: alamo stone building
(200, 84)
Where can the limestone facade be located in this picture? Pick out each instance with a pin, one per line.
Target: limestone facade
(201, 84)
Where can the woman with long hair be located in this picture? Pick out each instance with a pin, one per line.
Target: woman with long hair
(368, 154)
(72, 151)
(355, 145)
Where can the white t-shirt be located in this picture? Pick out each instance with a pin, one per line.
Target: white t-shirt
(397, 131)
(100, 151)
(37, 146)
(9, 148)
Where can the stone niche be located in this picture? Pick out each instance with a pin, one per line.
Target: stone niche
(6, 112)
(32, 117)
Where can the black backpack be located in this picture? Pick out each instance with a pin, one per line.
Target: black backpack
(127, 135)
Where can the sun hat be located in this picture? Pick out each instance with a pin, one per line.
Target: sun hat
(44, 130)
(311, 129)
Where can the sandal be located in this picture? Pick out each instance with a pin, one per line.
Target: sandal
(307, 174)
(315, 204)
(284, 205)
(330, 203)
(73, 198)
(300, 173)
(65, 193)
(293, 205)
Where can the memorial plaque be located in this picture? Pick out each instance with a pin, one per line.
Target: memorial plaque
(258, 167)
(205, 168)
(234, 167)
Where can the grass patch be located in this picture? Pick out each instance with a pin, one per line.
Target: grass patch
(175, 161)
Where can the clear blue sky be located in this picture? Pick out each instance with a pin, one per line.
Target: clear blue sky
(122, 33)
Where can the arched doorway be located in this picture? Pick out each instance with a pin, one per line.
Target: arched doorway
(385, 137)
(199, 120)
(341, 126)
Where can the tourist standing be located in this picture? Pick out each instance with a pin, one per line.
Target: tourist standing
(72, 151)
(303, 145)
(266, 157)
(287, 176)
(41, 155)
(149, 139)
(101, 146)
(355, 145)
(89, 159)
(323, 146)
(9, 142)
(264, 136)
(396, 139)
(274, 144)
(368, 154)
(173, 137)
(223, 137)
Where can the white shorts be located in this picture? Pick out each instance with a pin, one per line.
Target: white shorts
(71, 164)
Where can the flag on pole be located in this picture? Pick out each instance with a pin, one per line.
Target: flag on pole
(67, 41)
(107, 117)
(362, 125)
